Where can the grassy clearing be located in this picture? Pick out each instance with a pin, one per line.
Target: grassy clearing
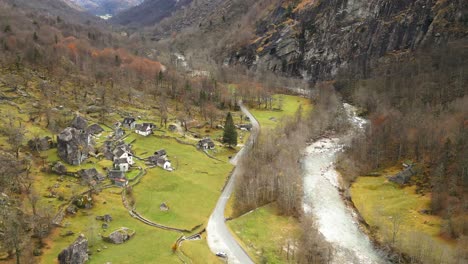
(191, 191)
(390, 209)
(271, 118)
(265, 234)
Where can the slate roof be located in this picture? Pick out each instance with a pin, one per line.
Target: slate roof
(116, 174)
(94, 129)
(128, 120)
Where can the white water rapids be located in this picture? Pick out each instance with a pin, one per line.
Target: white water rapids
(322, 199)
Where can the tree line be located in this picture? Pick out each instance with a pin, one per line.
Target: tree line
(417, 108)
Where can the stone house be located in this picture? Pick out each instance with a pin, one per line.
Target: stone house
(206, 143)
(161, 153)
(118, 177)
(94, 129)
(164, 163)
(404, 176)
(121, 164)
(129, 122)
(144, 129)
(123, 152)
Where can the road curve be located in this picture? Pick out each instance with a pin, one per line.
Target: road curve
(219, 237)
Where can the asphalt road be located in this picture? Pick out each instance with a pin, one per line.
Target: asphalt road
(220, 238)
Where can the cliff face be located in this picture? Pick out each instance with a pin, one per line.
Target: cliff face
(317, 38)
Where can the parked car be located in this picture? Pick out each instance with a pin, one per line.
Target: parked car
(221, 254)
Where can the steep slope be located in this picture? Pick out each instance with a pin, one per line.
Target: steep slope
(314, 39)
(106, 7)
(54, 8)
(149, 12)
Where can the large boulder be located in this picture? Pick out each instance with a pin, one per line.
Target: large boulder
(73, 145)
(76, 253)
(119, 236)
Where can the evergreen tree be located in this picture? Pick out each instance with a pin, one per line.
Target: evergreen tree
(230, 133)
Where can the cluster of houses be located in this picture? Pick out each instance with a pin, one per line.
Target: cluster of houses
(159, 159)
(144, 129)
(75, 144)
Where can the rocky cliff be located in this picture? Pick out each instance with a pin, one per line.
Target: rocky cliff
(314, 39)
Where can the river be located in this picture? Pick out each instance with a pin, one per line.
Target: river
(322, 199)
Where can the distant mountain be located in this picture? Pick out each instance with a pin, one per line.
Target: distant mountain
(105, 7)
(61, 8)
(149, 12)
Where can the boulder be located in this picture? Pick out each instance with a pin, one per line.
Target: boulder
(76, 253)
(73, 145)
(59, 168)
(119, 236)
(106, 218)
(163, 207)
(79, 123)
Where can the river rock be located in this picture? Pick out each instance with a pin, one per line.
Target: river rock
(119, 236)
(76, 253)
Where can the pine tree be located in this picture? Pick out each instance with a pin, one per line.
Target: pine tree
(230, 133)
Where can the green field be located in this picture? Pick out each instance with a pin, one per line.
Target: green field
(265, 234)
(290, 104)
(394, 215)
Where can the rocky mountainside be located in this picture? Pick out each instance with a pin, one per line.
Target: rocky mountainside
(54, 8)
(149, 12)
(314, 39)
(105, 7)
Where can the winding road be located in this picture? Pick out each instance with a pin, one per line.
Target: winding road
(220, 238)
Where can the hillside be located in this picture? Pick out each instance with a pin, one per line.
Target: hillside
(105, 7)
(149, 12)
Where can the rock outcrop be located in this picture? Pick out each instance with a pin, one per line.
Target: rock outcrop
(119, 236)
(76, 253)
(74, 143)
(315, 41)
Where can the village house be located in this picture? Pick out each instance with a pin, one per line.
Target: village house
(144, 129)
(160, 159)
(123, 152)
(164, 163)
(90, 176)
(121, 164)
(404, 176)
(206, 143)
(245, 127)
(129, 122)
(94, 129)
(161, 153)
(118, 178)
(119, 132)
